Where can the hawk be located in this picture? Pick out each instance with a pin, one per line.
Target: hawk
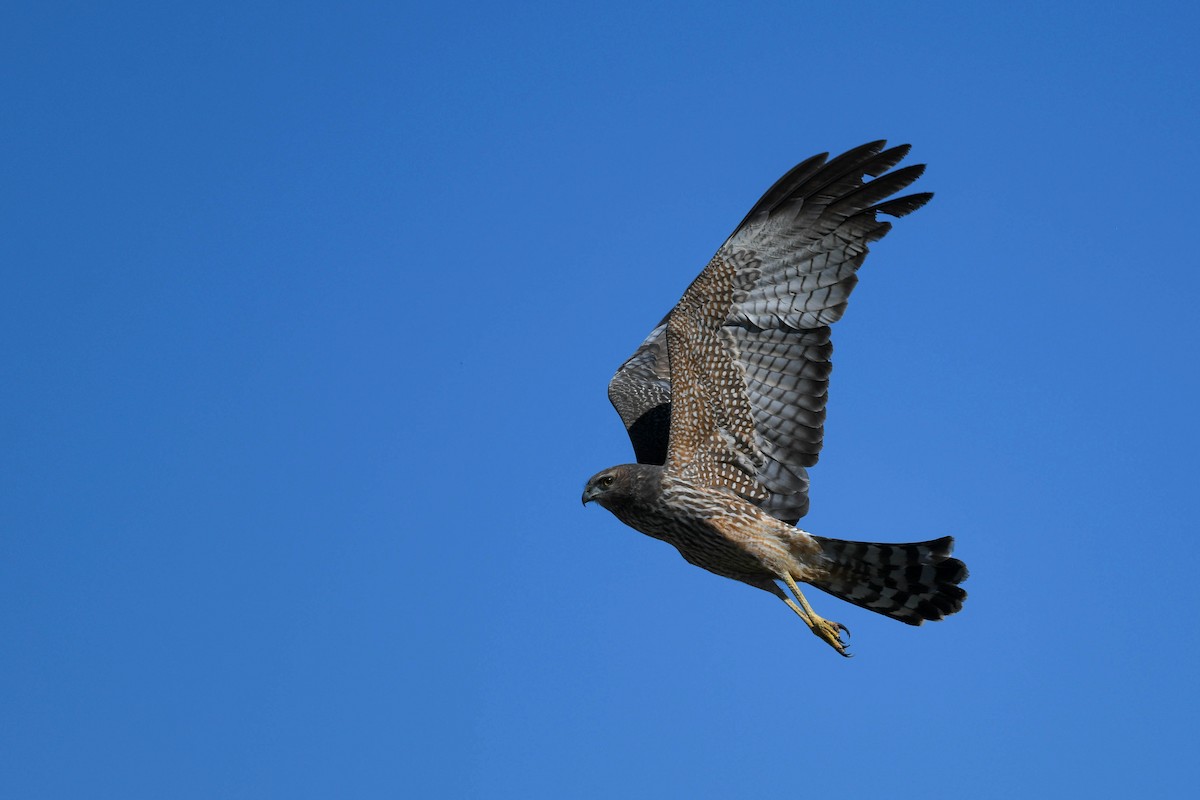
(724, 402)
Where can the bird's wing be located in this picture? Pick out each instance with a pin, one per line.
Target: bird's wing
(747, 348)
(641, 393)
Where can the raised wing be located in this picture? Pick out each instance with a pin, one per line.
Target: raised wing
(740, 368)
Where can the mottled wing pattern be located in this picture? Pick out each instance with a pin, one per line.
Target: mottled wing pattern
(712, 440)
(748, 344)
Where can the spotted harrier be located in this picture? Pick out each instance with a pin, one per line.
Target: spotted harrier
(724, 402)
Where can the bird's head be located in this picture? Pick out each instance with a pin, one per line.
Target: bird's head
(600, 485)
(618, 484)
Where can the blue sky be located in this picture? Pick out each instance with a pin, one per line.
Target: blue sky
(309, 312)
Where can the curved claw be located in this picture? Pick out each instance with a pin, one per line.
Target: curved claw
(831, 633)
(828, 631)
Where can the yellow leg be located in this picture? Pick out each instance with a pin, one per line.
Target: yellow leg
(829, 632)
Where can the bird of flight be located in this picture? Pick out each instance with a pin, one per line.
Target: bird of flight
(724, 402)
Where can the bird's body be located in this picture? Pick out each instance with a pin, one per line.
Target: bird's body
(712, 529)
(725, 403)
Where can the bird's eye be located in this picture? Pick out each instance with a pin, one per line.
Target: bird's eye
(606, 481)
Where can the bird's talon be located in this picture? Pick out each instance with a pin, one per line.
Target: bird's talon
(830, 632)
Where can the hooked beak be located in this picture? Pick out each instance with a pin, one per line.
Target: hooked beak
(590, 494)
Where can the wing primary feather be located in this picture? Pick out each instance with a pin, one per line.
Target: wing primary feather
(886, 160)
(901, 206)
(857, 154)
(783, 188)
(879, 189)
(801, 180)
(851, 164)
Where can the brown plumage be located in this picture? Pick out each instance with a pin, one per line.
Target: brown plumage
(724, 402)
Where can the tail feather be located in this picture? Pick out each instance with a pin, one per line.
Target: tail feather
(910, 582)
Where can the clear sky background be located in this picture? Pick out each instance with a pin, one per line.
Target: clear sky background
(308, 315)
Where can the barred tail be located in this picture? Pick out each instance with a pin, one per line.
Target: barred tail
(909, 582)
